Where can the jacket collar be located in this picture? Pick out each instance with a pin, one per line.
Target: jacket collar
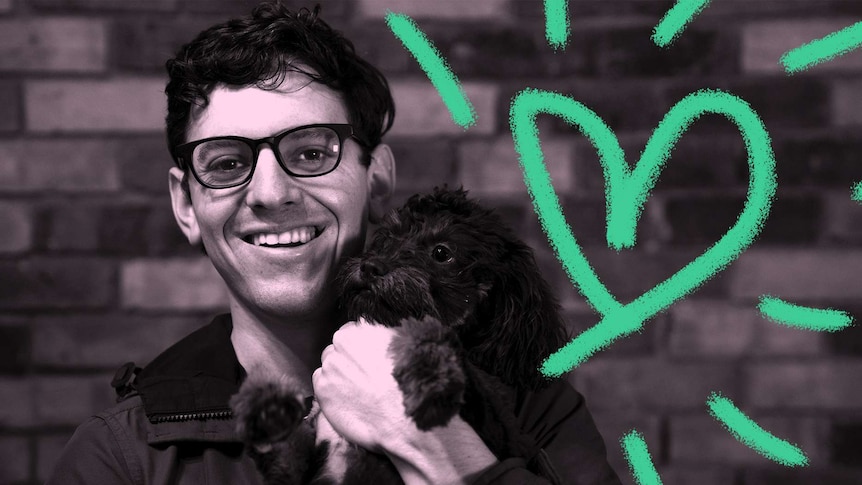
(193, 379)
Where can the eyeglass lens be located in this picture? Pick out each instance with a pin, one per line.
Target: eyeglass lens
(305, 152)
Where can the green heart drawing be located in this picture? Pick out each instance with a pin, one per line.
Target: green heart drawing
(626, 191)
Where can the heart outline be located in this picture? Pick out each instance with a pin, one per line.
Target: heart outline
(623, 210)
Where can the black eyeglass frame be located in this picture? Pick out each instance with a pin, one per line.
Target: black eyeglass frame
(183, 153)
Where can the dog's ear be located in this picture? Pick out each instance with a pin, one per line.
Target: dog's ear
(522, 319)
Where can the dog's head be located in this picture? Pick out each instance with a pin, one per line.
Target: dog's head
(443, 255)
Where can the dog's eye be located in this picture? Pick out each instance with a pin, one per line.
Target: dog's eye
(441, 254)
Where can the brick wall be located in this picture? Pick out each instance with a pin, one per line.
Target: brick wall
(93, 271)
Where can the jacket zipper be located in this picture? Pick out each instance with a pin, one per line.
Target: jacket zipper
(223, 414)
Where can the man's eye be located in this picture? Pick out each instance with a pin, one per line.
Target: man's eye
(225, 164)
(311, 155)
(442, 254)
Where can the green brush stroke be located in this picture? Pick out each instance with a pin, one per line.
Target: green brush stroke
(627, 190)
(752, 435)
(638, 457)
(856, 193)
(807, 318)
(819, 50)
(675, 20)
(557, 23)
(432, 62)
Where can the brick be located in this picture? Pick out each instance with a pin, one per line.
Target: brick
(145, 42)
(612, 427)
(792, 219)
(124, 105)
(769, 97)
(70, 227)
(630, 273)
(15, 344)
(17, 223)
(625, 51)
(624, 105)
(443, 9)
(700, 474)
(423, 163)
(10, 99)
(105, 341)
(421, 111)
(846, 103)
(711, 329)
(650, 385)
(797, 275)
(375, 43)
(56, 284)
(492, 167)
(57, 165)
(702, 439)
(53, 44)
(104, 5)
(701, 161)
(845, 446)
(842, 217)
(69, 400)
(763, 44)
(847, 342)
(587, 217)
(493, 50)
(16, 459)
(176, 284)
(163, 236)
(805, 476)
(817, 386)
(143, 164)
(821, 159)
(18, 412)
(48, 449)
(123, 229)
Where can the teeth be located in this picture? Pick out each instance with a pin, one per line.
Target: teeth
(300, 235)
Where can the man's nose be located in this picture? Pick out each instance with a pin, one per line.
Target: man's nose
(270, 186)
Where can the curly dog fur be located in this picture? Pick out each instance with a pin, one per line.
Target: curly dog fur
(474, 321)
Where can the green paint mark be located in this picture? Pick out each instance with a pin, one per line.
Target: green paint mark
(432, 62)
(820, 50)
(675, 20)
(557, 23)
(856, 193)
(752, 435)
(827, 320)
(627, 190)
(640, 463)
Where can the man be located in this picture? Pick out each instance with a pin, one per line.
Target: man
(276, 128)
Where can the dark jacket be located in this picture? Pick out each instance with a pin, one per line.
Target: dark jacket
(174, 427)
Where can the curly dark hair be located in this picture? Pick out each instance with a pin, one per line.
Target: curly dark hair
(259, 50)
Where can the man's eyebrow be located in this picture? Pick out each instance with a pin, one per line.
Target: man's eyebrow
(205, 148)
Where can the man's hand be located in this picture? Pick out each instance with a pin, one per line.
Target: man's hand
(355, 387)
(360, 398)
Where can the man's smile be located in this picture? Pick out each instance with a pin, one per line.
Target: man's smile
(289, 238)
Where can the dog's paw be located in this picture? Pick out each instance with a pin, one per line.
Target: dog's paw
(429, 371)
(266, 411)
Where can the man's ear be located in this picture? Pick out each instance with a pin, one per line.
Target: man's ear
(381, 181)
(181, 203)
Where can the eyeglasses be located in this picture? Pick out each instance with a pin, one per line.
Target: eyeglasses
(228, 161)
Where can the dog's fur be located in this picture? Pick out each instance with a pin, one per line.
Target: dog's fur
(475, 319)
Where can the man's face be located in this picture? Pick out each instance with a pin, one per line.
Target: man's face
(332, 210)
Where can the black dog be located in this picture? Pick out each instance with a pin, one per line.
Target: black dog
(475, 319)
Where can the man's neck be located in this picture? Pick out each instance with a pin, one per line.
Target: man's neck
(287, 346)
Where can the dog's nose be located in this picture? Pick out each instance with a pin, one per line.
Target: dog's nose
(372, 269)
